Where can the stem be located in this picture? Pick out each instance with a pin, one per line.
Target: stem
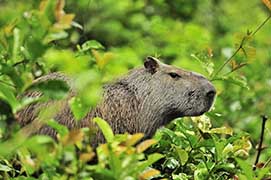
(261, 25)
(264, 119)
(20, 62)
(227, 61)
(241, 46)
(267, 162)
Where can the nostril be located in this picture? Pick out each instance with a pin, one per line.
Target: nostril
(211, 94)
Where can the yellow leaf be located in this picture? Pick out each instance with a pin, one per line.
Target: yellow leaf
(251, 52)
(210, 52)
(96, 55)
(85, 157)
(73, 137)
(8, 30)
(222, 130)
(106, 58)
(43, 4)
(145, 145)
(233, 64)
(102, 60)
(203, 122)
(267, 3)
(64, 22)
(150, 173)
(59, 12)
(133, 139)
(236, 66)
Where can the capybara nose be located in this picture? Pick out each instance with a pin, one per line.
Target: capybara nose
(211, 93)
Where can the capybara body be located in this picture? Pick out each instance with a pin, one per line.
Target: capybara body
(145, 99)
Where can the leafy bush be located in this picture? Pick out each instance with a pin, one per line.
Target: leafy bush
(103, 40)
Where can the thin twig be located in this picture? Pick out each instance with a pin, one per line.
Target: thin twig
(227, 61)
(267, 162)
(241, 46)
(261, 25)
(20, 62)
(264, 119)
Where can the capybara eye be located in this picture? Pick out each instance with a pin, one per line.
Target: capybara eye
(174, 75)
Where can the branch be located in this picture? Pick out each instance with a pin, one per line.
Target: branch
(264, 119)
(251, 34)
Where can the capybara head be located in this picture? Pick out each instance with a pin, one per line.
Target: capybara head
(170, 92)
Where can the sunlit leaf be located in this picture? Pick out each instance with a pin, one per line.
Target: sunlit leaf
(149, 173)
(133, 139)
(29, 163)
(59, 9)
(203, 122)
(66, 61)
(8, 29)
(65, 21)
(73, 137)
(61, 129)
(7, 93)
(92, 44)
(145, 145)
(79, 110)
(183, 155)
(222, 130)
(227, 149)
(16, 45)
(267, 3)
(5, 168)
(105, 128)
(152, 158)
(55, 36)
(85, 157)
(102, 60)
(47, 8)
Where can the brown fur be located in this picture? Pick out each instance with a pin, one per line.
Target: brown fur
(142, 101)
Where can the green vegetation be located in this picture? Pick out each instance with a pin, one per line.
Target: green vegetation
(97, 41)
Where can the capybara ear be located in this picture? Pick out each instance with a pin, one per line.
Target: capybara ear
(151, 64)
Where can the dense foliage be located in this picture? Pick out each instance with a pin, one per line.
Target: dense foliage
(96, 41)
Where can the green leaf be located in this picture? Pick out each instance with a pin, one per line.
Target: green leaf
(105, 128)
(7, 93)
(52, 88)
(78, 108)
(61, 129)
(181, 176)
(171, 163)
(65, 61)
(246, 167)
(229, 167)
(5, 168)
(222, 130)
(201, 172)
(55, 36)
(183, 155)
(16, 45)
(219, 147)
(92, 44)
(152, 158)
